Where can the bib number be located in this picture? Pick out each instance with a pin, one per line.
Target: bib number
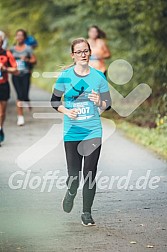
(85, 109)
(21, 65)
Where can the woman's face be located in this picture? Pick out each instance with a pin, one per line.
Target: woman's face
(93, 33)
(81, 53)
(20, 37)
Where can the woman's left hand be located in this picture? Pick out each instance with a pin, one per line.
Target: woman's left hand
(95, 97)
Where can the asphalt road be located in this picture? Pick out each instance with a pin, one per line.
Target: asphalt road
(130, 212)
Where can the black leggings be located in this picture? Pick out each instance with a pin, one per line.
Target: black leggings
(74, 166)
(22, 85)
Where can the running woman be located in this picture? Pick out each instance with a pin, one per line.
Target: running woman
(24, 57)
(7, 65)
(99, 48)
(85, 91)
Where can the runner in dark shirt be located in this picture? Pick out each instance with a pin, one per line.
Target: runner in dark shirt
(7, 65)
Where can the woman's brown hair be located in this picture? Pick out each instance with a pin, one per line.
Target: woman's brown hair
(23, 32)
(78, 41)
(101, 34)
(75, 42)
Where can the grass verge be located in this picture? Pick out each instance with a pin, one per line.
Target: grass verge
(154, 139)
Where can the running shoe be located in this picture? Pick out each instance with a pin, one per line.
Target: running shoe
(87, 219)
(2, 136)
(68, 201)
(20, 120)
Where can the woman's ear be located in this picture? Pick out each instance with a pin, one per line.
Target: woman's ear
(72, 56)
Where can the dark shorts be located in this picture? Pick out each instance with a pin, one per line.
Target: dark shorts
(4, 91)
(22, 85)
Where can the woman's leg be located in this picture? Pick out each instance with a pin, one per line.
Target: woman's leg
(28, 90)
(74, 165)
(23, 92)
(26, 87)
(18, 85)
(3, 105)
(4, 96)
(89, 172)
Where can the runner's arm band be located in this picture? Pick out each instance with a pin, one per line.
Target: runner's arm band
(56, 99)
(107, 98)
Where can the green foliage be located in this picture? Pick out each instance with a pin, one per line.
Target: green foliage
(161, 120)
(136, 31)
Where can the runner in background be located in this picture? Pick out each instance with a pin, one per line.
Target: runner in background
(24, 57)
(99, 48)
(7, 65)
(5, 40)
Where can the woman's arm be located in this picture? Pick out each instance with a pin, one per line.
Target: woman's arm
(57, 104)
(102, 100)
(105, 50)
(31, 60)
(9, 69)
(71, 113)
(11, 66)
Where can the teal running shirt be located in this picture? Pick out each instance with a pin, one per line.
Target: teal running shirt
(76, 89)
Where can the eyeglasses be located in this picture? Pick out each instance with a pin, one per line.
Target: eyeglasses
(79, 53)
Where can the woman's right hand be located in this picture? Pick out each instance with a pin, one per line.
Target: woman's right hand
(72, 113)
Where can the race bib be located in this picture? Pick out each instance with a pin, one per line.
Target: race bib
(1, 75)
(85, 109)
(21, 65)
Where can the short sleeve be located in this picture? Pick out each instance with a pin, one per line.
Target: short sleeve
(60, 83)
(29, 51)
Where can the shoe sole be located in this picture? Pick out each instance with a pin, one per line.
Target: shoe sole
(88, 225)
